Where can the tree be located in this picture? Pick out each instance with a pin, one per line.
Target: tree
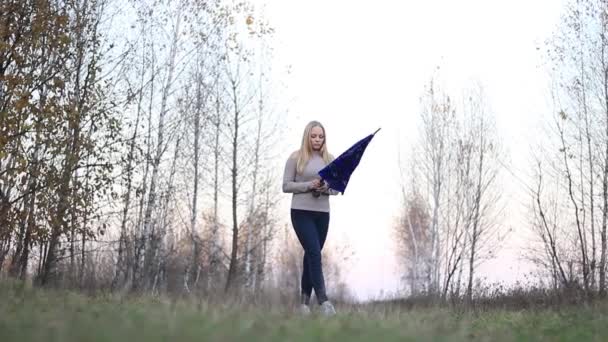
(451, 209)
(576, 161)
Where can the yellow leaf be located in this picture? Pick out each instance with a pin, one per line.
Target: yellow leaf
(21, 103)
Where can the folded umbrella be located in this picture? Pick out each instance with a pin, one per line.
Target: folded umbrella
(337, 173)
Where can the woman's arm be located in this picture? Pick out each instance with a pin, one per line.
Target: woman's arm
(289, 179)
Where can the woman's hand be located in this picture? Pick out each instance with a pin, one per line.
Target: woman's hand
(323, 188)
(315, 184)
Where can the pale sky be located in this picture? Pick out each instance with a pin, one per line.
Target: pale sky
(360, 65)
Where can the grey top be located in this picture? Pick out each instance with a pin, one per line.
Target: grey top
(300, 184)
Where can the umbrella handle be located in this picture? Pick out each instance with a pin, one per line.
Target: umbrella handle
(316, 193)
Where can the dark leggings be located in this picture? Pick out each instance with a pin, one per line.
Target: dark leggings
(311, 229)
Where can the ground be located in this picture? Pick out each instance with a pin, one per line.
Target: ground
(28, 314)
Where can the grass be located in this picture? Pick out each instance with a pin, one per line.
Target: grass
(28, 314)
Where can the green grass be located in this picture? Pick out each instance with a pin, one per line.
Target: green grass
(46, 315)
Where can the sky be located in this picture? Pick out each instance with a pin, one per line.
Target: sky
(361, 65)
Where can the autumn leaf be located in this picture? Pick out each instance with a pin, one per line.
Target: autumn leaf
(58, 82)
(22, 103)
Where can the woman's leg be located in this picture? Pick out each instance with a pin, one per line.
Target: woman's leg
(305, 225)
(306, 281)
(322, 224)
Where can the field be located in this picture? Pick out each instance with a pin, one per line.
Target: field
(28, 314)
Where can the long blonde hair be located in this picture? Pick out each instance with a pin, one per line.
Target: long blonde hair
(305, 152)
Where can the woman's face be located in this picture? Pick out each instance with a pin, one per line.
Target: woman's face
(317, 138)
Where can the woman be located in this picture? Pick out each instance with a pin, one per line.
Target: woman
(310, 210)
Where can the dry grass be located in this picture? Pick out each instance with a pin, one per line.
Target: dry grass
(29, 314)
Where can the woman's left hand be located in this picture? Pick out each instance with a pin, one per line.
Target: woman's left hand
(323, 188)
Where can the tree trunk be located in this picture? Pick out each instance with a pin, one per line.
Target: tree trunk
(234, 177)
(604, 63)
(149, 226)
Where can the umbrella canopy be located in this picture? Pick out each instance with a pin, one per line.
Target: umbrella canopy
(338, 172)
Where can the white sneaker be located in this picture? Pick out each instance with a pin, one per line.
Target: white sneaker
(327, 309)
(304, 310)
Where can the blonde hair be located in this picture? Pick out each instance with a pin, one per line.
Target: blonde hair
(305, 152)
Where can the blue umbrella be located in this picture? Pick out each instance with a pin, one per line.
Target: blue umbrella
(338, 172)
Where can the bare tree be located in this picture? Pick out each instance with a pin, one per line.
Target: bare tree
(244, 160)
(578, 54)
(150, 228)
(451, 209)
(437, 116)
(412, 234)
(126, 244)
(483, 153)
